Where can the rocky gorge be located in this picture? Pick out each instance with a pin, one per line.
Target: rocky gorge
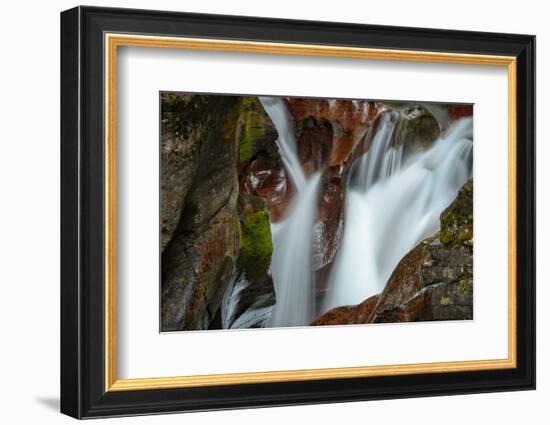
(230, 185)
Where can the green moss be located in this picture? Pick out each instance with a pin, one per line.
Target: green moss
(255, 255)
(252, 129)
(203, 287)
(445, 237)
(457, 219)
(464, 285)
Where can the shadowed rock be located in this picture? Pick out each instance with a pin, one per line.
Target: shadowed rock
(199, 259)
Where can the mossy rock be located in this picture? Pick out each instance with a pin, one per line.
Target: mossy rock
(457, 220)
(256, 132)
(257, 246)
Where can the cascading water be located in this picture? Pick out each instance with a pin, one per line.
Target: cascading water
(392, 205)
(286, 142)
(382, 159)
(292, 237)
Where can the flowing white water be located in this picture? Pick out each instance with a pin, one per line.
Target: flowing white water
(392, 206)
(280, 116)
(292, 237)
(382, 159)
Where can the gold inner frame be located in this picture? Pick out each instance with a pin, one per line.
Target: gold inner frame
(113, 41)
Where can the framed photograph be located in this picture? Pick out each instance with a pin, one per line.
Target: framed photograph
(261, 212)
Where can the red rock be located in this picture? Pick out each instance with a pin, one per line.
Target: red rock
(459, 111)
(314, 143)
(348, 315)
(350, 120)
(263, 178)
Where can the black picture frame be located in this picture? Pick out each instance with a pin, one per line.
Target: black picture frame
(83, 392)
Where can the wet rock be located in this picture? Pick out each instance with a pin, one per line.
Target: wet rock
(314, 143)
(329, 226)
(416, 129)
(349, 119)
(348, 315)
(267, 179)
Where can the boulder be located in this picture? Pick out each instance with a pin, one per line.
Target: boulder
(267, 179)
(416, 129)
(348, 315)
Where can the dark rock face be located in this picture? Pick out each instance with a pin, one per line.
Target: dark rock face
(214, 233)
(185, 123)
(199, 259)
(434, 281)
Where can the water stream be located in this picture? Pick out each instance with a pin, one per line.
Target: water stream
(292, 237)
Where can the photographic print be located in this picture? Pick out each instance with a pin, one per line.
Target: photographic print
(288, 211)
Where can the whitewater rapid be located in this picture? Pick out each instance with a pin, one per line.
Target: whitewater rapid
(392, 205)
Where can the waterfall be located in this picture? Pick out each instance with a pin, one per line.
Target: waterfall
(286, 142)
(392, 205)
(292, 237)
(382, 159)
